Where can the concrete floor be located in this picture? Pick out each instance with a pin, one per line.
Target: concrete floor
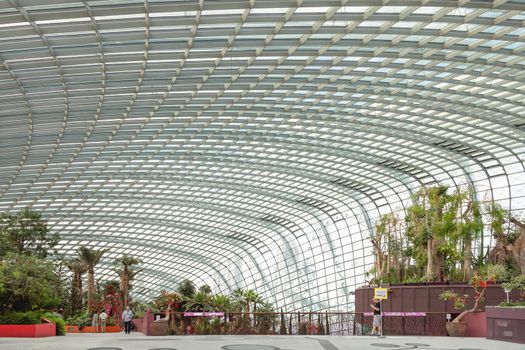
(136, 341)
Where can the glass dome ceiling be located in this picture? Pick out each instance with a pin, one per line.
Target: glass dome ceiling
(254, 143)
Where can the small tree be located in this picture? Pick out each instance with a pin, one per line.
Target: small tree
(479, 282)
(27, 283)
(25, 233)
(186, 288)
(517, 282)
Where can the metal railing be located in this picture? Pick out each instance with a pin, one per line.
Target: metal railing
(306, 323)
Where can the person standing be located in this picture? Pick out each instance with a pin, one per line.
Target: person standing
(127, 317)
(103, 318)
(376, 323)
(94, 321)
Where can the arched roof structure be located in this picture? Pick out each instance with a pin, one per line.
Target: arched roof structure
(254, 143)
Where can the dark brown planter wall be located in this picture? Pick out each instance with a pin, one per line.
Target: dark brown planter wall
(506, 323)
(421, 298)
(425, 298)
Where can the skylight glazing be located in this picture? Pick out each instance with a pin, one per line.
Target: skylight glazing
(254, 144)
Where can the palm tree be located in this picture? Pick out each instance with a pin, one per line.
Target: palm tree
(251, 296)
(124, 267)
(78, 268)
(221, 303)
(90, 258)
(199, 302)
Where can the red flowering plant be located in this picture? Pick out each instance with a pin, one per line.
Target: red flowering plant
(479, 282)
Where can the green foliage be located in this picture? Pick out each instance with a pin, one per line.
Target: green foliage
(221, 303)
(80, 320)
(199, 302)
(17, 317)
(498, 215)
(25, 233)
(516, 283)
(59, 322)
(90, 257)
(186, 288)
(205, 289)
(513, 303)
(161, 302)
(459, 300)
(27, 283)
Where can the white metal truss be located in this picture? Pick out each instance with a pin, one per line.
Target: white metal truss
(254, 143)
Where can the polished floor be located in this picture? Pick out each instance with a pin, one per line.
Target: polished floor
(136, 341)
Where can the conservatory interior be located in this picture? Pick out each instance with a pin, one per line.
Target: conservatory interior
(262, 174)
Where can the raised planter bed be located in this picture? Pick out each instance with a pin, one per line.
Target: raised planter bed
(424, 298)
(28, 330)
(506, 323)
(89, 329)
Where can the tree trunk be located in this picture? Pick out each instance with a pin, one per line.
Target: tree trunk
(75, 294)
(467, 258)
(430, 258)
(125, 283)
(478, 300)
(518, 248)
(91, 288)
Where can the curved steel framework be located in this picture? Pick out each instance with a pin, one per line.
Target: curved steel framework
(254, 143)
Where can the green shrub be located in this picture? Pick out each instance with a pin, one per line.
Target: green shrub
(15, 317)
(27, 283)
(60, 324)
(79, 320)
(58, 321)
(513, 304)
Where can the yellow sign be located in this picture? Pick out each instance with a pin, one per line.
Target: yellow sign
(381, 293)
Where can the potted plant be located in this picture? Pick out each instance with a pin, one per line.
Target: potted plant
(479, 282)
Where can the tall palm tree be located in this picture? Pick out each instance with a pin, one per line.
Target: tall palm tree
(250, 296)
(125, 268)
(78, 268)
(90, 258)
(221, 303)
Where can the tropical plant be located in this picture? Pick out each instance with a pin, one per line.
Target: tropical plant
(186, 288)
(509, 233)
(125, 268)
(27, 283)
(251, 297)
(436, 222)
(469, 228)
(59, 322)
(389, 245)
(221, 303)
(78, 269)
(206, 289)
(26, 233)
(518, 283)
(479, 282)
(19, 317)
(90, 258)
(199, 302)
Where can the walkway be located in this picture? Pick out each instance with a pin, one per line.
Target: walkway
(137, 341)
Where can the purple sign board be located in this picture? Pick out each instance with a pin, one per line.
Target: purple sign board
(416, 314)
(203, 314)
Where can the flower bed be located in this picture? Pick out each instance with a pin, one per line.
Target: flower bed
(28, 330)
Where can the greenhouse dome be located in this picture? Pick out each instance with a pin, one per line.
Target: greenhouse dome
(255, 144)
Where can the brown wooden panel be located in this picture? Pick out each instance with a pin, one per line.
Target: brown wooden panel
(407, 300)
